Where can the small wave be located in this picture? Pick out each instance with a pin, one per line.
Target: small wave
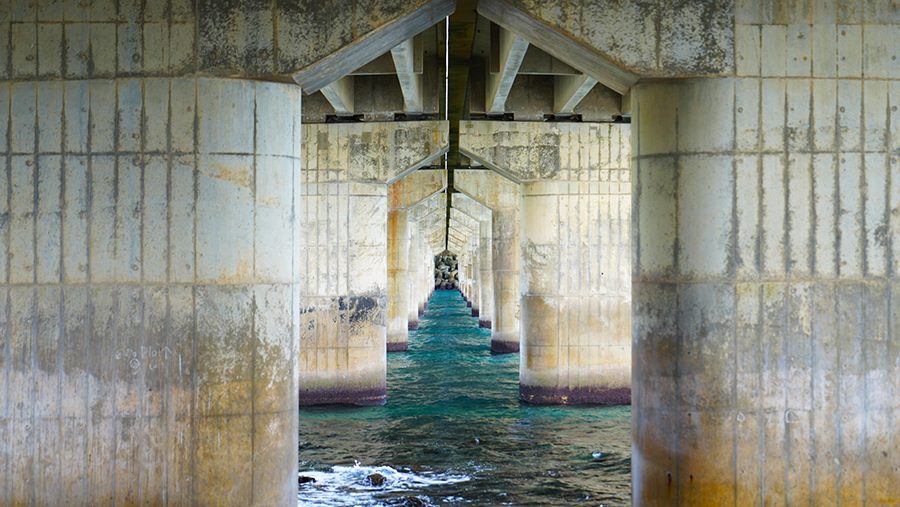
(349, 485)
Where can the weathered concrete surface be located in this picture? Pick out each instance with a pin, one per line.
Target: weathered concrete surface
(148, 331)
(397, 280)
(414, 275)
(767, 356)
(343, 249)
(247, 38)
(485, 277)
(427, 219)
(654, 38)
(503, 197)
(403, 195)
(385, 24)
(576, 293)
(464, 233)
(142, 362)
(477, 277)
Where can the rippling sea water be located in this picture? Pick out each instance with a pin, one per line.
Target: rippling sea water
(454, 433)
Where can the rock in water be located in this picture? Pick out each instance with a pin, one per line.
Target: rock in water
(446, 271)
(376, 479)
(304, 479)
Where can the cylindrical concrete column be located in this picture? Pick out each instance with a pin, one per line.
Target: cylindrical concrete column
(398, 282)
(576, 301)
(148, 292)
(415, 273)
(486, 287)
(575, 267)
(474, 274)
(343, 304)
(505, 263)
(764, 341)
(426, 283)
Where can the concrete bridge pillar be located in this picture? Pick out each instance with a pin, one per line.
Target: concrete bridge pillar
(148, 291)
(430, 218)
(416, 270)
(463, 237)
(502, 196)
(343, 304)
(479, 218)
(766, 351)
(403, 195)
(486, 276)
(576, 292)
(472, 273)
(398, 280)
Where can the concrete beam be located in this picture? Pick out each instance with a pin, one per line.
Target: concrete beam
(319, 74)
(430, 216)
(510, 51)
(540, 63)
(416, 187)
(382, 152)
(351, 303)
(462, 230)
(340, 95)
(626, 103)
(558, 44)
(569, 90)
(463, 220)
(470, 207)
(404, 55)
(384, 64)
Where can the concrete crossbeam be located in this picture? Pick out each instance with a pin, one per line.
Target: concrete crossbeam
(510, 50)
(404, 55)
(569, 90)
(340, 95)
(368, 47)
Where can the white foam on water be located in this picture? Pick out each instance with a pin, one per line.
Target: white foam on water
(349, 486)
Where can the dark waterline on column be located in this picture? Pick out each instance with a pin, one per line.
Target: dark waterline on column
(454, 433)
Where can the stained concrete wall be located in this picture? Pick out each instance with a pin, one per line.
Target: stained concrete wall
(142, 362)
(343, 251)
(767, 356)
(657, 38)
(576, 287)
(403, 195)
(503, 197)
(107, 38)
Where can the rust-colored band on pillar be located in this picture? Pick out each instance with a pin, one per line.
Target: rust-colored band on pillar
(360, 397)
(588, 395)
(397, 346)
(484, 324)
(504, 347)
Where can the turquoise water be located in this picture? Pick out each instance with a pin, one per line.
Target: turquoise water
(454, 433)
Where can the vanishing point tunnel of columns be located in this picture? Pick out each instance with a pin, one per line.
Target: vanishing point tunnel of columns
(186, 254)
